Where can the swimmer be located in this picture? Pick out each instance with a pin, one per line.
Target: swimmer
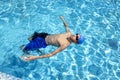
(42, 40)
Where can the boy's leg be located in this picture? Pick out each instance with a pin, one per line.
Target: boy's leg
(34, 35)
(22, 48)
(39, 52)
(30, 38)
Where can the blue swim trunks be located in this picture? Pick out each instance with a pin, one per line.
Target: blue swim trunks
(35, 44)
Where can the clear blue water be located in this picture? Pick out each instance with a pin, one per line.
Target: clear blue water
(98, 20)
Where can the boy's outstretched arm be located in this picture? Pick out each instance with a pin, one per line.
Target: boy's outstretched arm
(46, 55)
(65, 24)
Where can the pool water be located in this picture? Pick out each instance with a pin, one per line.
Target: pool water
(98, 58)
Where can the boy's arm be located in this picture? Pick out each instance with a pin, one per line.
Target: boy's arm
(46, 55)
(65, 24)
